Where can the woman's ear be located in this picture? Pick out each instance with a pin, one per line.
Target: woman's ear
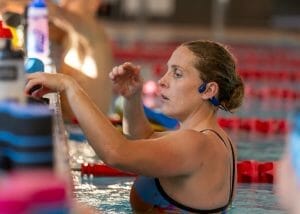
(212, 89)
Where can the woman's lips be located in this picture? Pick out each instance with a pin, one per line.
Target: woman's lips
(164, 97)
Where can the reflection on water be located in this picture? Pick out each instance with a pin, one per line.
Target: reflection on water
(81, 152)
(262, 151)
(78, 147)
(108, 194)
(255, 198)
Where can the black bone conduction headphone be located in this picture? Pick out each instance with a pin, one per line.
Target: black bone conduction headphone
(213, 100)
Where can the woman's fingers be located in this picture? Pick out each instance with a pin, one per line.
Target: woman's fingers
(113, 73)
(126, 70)
(126, 79)
(32, 86)
(40, 82)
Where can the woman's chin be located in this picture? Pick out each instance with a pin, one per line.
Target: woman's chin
(163, 111)
(167, 113)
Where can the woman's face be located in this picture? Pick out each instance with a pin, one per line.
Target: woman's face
(179, 85)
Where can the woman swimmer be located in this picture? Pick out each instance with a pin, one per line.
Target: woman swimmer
(189, 170)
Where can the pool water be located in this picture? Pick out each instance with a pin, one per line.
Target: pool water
(255, 198)
(107, 194)
(111, 195)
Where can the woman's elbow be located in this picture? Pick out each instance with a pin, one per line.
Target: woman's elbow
(113, 157)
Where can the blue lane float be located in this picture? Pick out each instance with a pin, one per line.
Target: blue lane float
(160, 118)
(25, 135)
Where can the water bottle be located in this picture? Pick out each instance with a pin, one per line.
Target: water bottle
(12, 75)
(38, 31)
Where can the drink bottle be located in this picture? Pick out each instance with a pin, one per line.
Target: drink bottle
(38, 31)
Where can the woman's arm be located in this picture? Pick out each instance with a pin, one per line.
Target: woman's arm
(102, 135)
(87, 54)
(127, 82)
(164, 156)
(135, 123)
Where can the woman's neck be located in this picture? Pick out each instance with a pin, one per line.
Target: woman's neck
(201, 119)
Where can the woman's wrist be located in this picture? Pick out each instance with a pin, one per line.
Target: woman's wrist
(133, 101)
(135, 96)
(68, 85)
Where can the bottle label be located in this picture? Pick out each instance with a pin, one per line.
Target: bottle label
(37, 40)
(8, 73)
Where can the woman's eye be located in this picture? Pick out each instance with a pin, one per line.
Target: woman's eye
(177, 73)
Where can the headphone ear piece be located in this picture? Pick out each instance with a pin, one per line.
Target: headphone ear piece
(202, 88)
(214, 101)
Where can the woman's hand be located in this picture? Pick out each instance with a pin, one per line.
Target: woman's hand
(126, 79)
(41, 83)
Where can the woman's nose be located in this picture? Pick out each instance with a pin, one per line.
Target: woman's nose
(163, 81)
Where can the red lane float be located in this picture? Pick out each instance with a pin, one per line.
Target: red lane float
(251, 171)
(264, 126)
(248, 171)
(99, 169)
(266, 93)
(256, 56)
(259, 75)
(291, 76)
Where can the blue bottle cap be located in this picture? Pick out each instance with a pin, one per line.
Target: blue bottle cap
(37, 3)
(33, 65)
